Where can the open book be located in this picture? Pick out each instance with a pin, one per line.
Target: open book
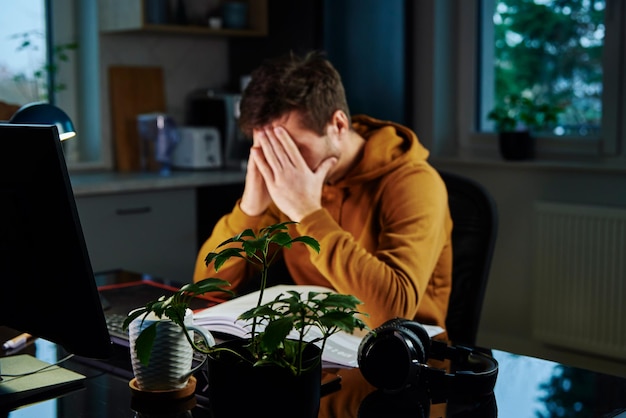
(341, 349)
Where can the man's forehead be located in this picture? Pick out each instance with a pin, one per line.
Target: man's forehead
(293, 124)
(292, 118)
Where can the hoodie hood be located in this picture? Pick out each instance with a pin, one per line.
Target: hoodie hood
(388, 145)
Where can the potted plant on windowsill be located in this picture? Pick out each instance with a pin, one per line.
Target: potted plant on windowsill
(269, 369)
(516, 118)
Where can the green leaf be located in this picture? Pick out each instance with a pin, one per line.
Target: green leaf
(176, 313)
(259, 312)
(246, 233)
(144, 343)
(275, 333)
(311, 242)
(131, 316)
(212, 284)
(269, 230)
(220, 258)
(346, 321)
(253, 246)
(336, 300)
(281, 238)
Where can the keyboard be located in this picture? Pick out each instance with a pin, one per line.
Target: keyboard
(114, 324)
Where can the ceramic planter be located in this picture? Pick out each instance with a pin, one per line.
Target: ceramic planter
(171, 358)
(236, 389)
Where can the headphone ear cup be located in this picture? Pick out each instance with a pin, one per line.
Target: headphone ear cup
(420, 333)
(391, 355)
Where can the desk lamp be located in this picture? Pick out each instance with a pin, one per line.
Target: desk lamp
(41, 113)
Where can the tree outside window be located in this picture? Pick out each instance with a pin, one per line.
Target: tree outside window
(23, 53)
(550, 51)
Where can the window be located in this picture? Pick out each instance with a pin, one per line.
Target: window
(550, 52)
(23, 53)
(49, 52)
(566, 52)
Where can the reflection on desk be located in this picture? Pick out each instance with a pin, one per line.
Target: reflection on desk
(526, 387)
(533, 387)
(358, 398)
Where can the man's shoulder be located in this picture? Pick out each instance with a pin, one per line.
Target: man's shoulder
(415, 171)
(413, 181)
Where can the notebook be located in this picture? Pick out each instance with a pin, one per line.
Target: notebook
(40, 381)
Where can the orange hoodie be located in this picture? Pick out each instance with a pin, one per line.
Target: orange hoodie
(384, 232)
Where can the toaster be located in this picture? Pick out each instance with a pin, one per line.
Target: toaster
(199, 148)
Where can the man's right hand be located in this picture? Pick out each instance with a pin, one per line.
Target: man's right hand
(255, 198)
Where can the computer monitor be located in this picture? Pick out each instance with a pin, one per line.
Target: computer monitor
(47, 285)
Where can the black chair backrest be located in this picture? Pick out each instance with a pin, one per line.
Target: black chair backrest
(475, 219)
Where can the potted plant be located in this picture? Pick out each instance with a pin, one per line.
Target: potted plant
(268, 368)
(516, 118)
(166, 325)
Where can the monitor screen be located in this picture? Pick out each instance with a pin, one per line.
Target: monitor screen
(47, 286)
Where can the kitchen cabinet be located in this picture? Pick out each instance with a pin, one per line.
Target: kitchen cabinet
(118, 16)
(152, 232)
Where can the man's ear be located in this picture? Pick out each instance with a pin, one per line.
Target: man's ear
(339, 122)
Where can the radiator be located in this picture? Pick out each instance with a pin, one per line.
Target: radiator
(579, 283)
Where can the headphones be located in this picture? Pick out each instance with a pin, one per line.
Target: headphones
(393, 357)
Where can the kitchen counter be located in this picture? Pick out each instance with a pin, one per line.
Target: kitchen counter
(91, 184)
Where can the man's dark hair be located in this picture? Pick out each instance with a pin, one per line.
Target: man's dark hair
(309, 85)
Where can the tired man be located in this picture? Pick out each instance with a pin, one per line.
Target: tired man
(362, 187)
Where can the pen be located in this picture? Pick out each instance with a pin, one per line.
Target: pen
(17, 342)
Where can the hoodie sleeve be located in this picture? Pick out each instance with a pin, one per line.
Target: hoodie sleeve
(400, 267)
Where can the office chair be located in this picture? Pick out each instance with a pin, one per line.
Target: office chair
(475, 218)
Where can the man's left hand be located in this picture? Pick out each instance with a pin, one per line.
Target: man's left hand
(294, 187)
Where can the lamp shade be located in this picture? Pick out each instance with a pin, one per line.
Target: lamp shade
(42, 113)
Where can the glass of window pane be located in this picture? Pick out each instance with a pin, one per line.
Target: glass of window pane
(23, 55)
(550, 51)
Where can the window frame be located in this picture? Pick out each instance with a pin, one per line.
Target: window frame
(77, 21)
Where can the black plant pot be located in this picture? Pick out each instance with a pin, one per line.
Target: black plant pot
(517, 145)
(236, 389)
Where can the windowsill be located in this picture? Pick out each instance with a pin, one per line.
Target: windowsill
(491, 158)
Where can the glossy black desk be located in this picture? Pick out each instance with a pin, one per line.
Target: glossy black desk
(526, 387)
